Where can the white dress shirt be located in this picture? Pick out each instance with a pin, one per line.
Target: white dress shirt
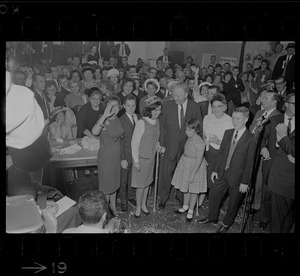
(184, 111)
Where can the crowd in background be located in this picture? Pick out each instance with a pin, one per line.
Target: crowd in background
(77, 100)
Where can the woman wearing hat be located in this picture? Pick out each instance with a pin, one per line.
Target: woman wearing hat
(59, 128)
(113, 77)
(110, 129)
(152, 88)
(144, 145)
(89, 80)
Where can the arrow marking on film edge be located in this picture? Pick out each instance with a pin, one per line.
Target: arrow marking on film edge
(40, 267)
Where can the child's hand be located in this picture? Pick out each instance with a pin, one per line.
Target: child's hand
(124, 164)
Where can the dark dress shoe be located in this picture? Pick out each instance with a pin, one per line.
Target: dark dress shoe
(263, 225)
(162, 205)
(222, 229)
(132, 202)
(137, 216)
(206, 220)
(146, 213)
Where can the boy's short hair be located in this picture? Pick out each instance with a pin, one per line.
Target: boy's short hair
(130, 97)
(92, 205)
(242, 109)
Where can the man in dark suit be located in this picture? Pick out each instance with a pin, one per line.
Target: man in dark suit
(172, 136)
(128, 120)
(167, 59)
(232, 170)
(281, 179)
(285, 66)
(237, 87)
(283, 91)
(123, 49)
(39, 85)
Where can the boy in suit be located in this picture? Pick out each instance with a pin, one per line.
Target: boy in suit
(128, 120)
(231, 170)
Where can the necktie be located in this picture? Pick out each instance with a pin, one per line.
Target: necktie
(235, 137)
(181, 117)
(289, 127)
(133, 120)
(264, 116)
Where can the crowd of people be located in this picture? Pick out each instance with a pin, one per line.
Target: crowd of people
(215, 129)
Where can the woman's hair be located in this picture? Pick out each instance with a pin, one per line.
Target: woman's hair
(75, 71)
(212, 78)
(112, 98)
(127, 79)
(219, 97)
(194, 124)
(95, 91)
(152, 83)
(91, 206)
(147, 112)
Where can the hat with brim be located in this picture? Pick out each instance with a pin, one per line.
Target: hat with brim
(135, 76)
(291, 45)
(87, 69)
(152, 100)
(55, 112)
(112, 72)
(152, 80)
(204, 83)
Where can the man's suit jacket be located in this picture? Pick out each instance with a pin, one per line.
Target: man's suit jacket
(126, 139)
(290, 70)
(127, 49)
(171, 136)
(170, 60)
(235, 92)
(269, 142)
(282, 173)
(203, 108)
(241, 161)
(41, 103)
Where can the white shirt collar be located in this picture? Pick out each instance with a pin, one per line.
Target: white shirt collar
(240, 133)
(130, 116)
(269, 112)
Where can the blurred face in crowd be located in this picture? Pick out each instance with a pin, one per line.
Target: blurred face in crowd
(280, 84)
(244, 77)
(128, 88)
(203, 71)
(191, 84)
(268, 102)
(239, 120)
(60, 117)
(290, 51)
(113, 79)
(190, 132)
(279, 48)
(213, 59)
(115, 107)
(88, 75)
(131, 71)
(105, 63)
(179, 95)
(208, 79)
(166, 52)
(290, 107)
(160, 64)
(180, 76)
(146, 67)
(217, 79)
(95, 100)
(178, 68)
(151, 89)
(64, 83)
(40, 83)
(121, 74)
(137, 83)
(124, 61)
(249, 67)
(264, 65)
(55, 72)
(163, 82)
(74, 87)
(48, 76)
(66, 71)
(204, 91)
(93, 50)
(130, 106)
(76, 61)
(152, 73)
(211, 93)
(235, 72)
(188, 65)
(187, 72)
(156, 112)
(210, 70)
(98, 74)
(169, 72)
(20, 79)
(218, 108)
(111, 61)
(104, 74)
(227, 77)
(51, 91)
(75, 76)
(226, 67)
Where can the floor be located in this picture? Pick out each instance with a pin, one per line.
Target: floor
(160, 221)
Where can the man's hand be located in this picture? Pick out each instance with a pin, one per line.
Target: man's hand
(213, 175)
(291, 158)
(137, 165)
(124, 164)
(265, 153)
(243, 188)
(281, 131)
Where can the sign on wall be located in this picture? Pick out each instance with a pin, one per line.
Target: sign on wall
(231, 60)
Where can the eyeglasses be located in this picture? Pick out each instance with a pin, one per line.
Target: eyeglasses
(291, 103)
(279, 83)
